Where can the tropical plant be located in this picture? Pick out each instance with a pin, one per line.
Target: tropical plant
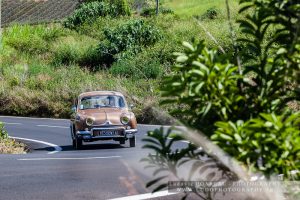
(202, 81)
(269, 143)
(270, 38)
(243, 106)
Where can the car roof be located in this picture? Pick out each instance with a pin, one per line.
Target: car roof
(94, 93)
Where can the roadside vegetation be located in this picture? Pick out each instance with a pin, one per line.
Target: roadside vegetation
(9, 146)
(119, 45)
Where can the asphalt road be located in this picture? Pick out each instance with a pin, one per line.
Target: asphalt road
(102, 170)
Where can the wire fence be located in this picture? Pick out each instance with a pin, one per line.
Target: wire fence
(35, 11)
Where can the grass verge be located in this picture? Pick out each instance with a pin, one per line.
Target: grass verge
(8, 145)
(11, 146)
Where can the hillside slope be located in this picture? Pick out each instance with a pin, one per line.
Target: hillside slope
(44, 67)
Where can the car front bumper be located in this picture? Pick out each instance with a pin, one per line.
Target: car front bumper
(88, 135)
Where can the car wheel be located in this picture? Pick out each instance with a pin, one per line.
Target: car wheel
(78, 143)
(122, 141)
(132, 142)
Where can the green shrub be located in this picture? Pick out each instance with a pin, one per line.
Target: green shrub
(269, 143)
(90, 11)
(3, 133)
(211, 13)
(132, 35)
(87, 12)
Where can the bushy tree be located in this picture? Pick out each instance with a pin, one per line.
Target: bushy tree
(91, 10)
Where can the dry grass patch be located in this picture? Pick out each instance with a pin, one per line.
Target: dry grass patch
(10, 146)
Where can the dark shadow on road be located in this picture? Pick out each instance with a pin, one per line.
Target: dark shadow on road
(84, 147)
(43, 149)
(92, 147)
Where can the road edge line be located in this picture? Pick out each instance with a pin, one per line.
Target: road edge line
(69, 158)
(56, 147)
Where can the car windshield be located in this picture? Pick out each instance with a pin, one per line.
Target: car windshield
(93, 102)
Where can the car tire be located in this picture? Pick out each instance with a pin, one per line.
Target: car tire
(132, 141)
(122, 141)
(78, 143)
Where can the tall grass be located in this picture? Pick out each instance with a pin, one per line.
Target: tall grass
(70, 50)
(31, 39)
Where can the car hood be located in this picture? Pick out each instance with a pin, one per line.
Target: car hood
(109, 116)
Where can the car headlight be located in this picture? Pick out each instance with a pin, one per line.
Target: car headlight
(125, 120)
(89, 121)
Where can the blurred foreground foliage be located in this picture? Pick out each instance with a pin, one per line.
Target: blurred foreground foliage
(241, 103)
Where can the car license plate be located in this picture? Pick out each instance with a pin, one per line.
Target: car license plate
(106, 133)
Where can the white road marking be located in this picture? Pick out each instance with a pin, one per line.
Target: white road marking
(11, 123)
(83, 158)
(146, 196)
(56, 147)
(52, 126)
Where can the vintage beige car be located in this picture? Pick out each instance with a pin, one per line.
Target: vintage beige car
(102, 115)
